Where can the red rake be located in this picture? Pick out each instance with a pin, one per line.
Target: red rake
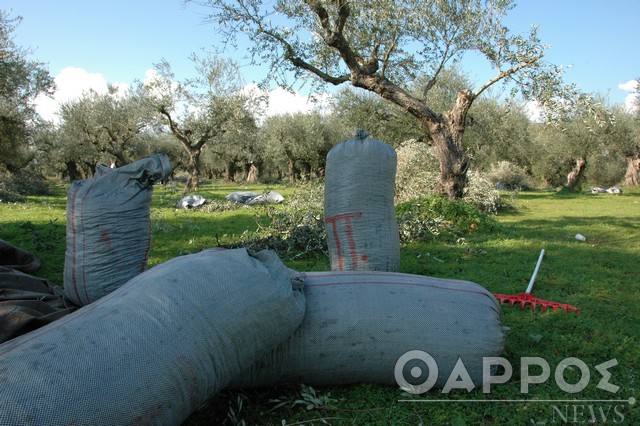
(527, 297)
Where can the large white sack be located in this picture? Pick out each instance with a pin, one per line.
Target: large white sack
(156, 349)
(358, 325)
(108, 228)
(360, 217)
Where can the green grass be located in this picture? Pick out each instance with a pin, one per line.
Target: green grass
(601, 276)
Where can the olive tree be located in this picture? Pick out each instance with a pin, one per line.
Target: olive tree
(109, 126)
(588, 136)
(620, 154)
(581, 138)
(22, 80)
(238, 151)
(199, 110)
(632, 151)
(381, 45)
(301, 142)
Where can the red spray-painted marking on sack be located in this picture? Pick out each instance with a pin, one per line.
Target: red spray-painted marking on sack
(347, 218)
(105, 239)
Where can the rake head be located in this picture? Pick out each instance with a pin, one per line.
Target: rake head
(525, 298)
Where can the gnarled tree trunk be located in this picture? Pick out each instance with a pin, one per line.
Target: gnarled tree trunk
(230, 170)
(193, 170)
(292, 171)
(574, 175)
(454, 161)
(252, 174)
(632, 177)
(72, 171)
(446, 131)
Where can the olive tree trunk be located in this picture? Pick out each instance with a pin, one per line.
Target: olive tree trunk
(632, 177)
(576, 173)
(193, 170)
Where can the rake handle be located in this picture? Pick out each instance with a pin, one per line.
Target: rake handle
(535, 273)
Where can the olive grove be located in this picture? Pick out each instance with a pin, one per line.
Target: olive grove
(382, 46)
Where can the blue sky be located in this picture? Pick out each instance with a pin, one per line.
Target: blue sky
(117, 41)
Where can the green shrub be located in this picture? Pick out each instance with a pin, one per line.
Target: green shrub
(26, 182)
(418, 171)
(433, 216)
(508, 176)
(10, 197)
(604, 170)
(482, 194)
(293, 229)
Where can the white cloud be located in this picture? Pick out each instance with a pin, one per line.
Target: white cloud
(281, 101)
(631, 100)
(158, 83)
(150, 76)
(534, 111)
(629, 86)
(71, 83)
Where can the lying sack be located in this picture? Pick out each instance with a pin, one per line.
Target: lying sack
(271, 197)
(253, 198)
(156, 349)
(190, 201)
(108, 228)
(241, 196)
(17, 258)
(28, 303)
(359, 324)
(360, 217)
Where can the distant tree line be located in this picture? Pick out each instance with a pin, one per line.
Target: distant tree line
(213, 128)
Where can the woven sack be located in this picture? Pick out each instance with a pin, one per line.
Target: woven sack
(360, 217)
(358, 325)
(153, 351)
(108, 228)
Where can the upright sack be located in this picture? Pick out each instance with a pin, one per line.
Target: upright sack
(156, 349)
(108, 228)
(358, 325)
(360, 217)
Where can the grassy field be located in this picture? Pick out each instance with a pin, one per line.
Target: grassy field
(600, 275)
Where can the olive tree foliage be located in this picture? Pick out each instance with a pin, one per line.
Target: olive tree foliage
(585, 145)
(632, 148)
(620, 156)
(589, 135)
(22, 80)
(358, 109)
(109, 127)
(551, 162)
(499, 131)
(382, 45)
(199, 111)
(236, 154)
(299, 143)
(65, 153)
